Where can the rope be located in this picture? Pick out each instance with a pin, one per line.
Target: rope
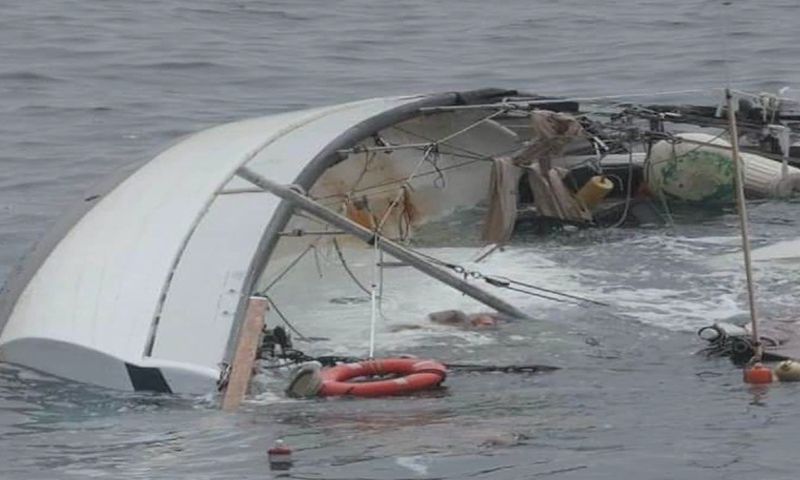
(347, 268)
(439, 182)
(465, 152)
(477, 368)
(526, 292)
(675, 140)
(283, 317)
(489, 279)
(317, 262)
(660, 192)
(401, 191)
(739, 349)
(286, 270)
(294, 356)
(613, 97)
(358, 282)
(370, 156)
(394, 182)
(504, 282)
(474, 156)
(527, 102)
(443, 140)
(470, 127)
(628, 195)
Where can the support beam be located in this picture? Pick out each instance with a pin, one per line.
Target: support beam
(245, 354)
(388, 246)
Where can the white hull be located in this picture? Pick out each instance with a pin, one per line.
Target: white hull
(144, 288)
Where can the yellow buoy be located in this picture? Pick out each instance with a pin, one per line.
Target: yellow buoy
(788, 371)
(595, 190)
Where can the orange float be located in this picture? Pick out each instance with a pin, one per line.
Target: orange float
(416, 375)
(757, 374)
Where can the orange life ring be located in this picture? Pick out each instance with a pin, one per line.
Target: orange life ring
(417, 375)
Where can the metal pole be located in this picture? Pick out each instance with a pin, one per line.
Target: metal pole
(373, 299)
(786, 142)
(385, 244)
(738, 182)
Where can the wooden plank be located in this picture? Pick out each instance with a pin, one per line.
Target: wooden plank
(245, 354)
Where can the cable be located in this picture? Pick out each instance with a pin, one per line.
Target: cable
(286, 270)
(477, 368)
(439, 182)
(401, 192)
(285, 320)
(528, 285)
(504, 282)
(629, 193)
(347, 268)
(294, 356)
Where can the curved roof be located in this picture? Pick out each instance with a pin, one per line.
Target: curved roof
(176, 243)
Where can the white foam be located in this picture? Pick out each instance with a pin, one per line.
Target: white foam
(417, 464)
(667, 283)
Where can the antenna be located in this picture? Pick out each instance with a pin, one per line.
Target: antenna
(374, 296)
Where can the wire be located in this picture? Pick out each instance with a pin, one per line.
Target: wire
(477, 368)
(369, 157)
(296, 356)
(347, 268)
(439, 182)
(285, 320)
(629, 193)
(504, 282)
(425, 157)
(528, 285)
(286, 270)
(394, 182)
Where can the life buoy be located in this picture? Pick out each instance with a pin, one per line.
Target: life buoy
(416, 375)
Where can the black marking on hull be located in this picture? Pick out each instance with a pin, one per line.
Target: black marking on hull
(148, 379)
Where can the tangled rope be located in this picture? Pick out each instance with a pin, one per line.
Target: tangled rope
(738, 348)
(289, 356)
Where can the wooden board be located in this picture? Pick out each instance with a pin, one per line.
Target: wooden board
(245, 354)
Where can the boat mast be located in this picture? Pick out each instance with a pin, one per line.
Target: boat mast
(738, 182)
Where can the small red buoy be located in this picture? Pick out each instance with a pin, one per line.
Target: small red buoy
(757, 374)
(279, 456)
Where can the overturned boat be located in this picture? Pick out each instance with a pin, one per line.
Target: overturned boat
(145, 285)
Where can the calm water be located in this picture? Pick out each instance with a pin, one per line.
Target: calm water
(88, 86)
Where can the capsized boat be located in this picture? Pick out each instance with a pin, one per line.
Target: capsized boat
(146, 283)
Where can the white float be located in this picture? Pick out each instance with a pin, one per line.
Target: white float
(700, 171)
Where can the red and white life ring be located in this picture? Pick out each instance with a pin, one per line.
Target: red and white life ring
(416, 375)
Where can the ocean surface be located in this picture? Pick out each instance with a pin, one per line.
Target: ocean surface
(87, 86)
